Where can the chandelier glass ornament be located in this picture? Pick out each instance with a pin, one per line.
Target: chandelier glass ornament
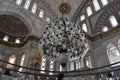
(64, 40)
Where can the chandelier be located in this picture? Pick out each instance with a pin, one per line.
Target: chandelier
(63, 39)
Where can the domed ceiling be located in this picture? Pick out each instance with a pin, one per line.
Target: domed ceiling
(13, 26)
(55, 5)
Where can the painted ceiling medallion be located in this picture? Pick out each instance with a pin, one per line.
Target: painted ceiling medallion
(64, 8)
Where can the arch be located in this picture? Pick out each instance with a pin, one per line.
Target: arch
(79, 9)
(88, 61)
(22, 62)
(44, 4)
(43, 64)
(51, 66)
(11, 60)
(47, 6)
(113, 53)
(22, 15)
(72, 65)
(104, 20)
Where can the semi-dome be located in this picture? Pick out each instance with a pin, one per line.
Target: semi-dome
(13, 26)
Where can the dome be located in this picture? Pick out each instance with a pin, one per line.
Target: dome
(59, 39)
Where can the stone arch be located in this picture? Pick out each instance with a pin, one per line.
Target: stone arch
(79, 9)
(15, 11)
(103, 19)
(113, 53)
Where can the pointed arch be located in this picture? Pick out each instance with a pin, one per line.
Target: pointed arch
(72, 65)
(43, 64)
(51, 66)
(113, 54)
(22, 62)
(11, 60)
(108, 18)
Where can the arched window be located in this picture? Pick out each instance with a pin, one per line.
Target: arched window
(82, 17)
(43, 64)
(48, 19)
(89, 11)
(77, 64)
(60, 68)
(41, 13)
(51, 68)
(34, 8)
(105, 29)
(18, 2)
(80, 63)
(96, 5)
(11, 60)
(84, 27)
(27, 4)
(72, 66)
(113, 54)
(113, 21)
(88, 62)
(104, 2)
(22, 62)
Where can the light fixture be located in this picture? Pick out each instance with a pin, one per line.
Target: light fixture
(63, 37)
(64, 40)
